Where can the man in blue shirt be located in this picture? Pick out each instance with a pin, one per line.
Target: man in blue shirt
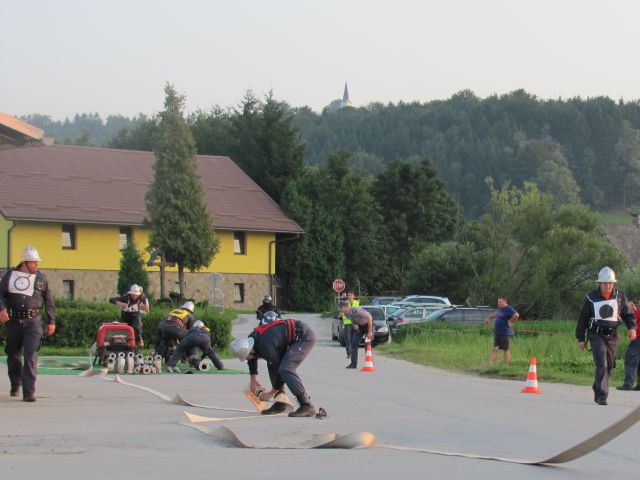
(505, 316)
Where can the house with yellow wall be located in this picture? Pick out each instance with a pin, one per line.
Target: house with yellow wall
(79, 206)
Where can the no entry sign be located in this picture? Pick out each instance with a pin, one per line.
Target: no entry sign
(338, 285)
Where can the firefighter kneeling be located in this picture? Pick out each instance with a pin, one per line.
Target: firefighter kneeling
(284, 344)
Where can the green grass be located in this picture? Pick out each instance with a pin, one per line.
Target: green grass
(612, 217)
(467, 350)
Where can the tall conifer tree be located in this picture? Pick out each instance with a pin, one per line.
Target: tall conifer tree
(181, 226)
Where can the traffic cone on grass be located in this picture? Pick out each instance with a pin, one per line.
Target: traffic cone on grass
(532, 379)
(368, 360)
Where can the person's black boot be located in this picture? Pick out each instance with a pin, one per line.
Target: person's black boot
(306, 408)
(277, 407)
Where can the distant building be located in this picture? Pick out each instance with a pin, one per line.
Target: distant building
(79, 206)
(346, 102)
(339, 103)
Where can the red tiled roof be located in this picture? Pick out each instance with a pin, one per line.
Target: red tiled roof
(64, 183)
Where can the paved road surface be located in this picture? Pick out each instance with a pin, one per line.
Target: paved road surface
(87, 428)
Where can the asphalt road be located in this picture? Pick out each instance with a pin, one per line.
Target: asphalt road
(88, 428)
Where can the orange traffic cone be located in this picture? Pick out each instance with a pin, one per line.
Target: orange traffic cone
(368, 360)
(532, 379)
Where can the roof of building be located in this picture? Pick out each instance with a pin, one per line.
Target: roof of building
(71, 184)
(15, 132)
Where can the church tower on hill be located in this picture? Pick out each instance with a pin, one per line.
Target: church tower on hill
(345, 97)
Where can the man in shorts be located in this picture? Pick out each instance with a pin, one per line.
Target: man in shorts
(505, 316)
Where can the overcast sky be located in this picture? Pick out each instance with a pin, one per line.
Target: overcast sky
(114, 56)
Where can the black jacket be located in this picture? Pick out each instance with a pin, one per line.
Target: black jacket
(587, 313)
(17, 301)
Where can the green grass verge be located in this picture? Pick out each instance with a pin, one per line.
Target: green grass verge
(467, 350)
(610, 217)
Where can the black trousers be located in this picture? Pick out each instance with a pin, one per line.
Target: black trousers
(190, 345)
(167, 334)
(356, 336)
(135, 322)
(24, 337)
(348, 330)
(286, 372)
(603, 349)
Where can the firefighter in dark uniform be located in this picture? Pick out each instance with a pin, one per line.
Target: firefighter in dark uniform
(174, 327)
(284, 344)
(132, 304)
(198, 337)
(267, 306)
(22, 291)
(602, 312)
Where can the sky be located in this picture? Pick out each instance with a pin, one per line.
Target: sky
(114, 57)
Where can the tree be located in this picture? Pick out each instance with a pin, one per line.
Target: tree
(443, 269)
(132, 269)
(308, 266)
(267, 146)
(180, 224)
(417, 210)
(358, 217)
(538, 255)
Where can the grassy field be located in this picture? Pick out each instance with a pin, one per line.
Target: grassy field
(467, 349)
(611, 217)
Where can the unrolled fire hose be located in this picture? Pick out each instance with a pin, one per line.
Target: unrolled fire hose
(367, 439)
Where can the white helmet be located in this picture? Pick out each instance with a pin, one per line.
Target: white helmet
(241, 347)
(607, 275)
(266, 298)
(269, 317)
(135, 289)
(30, 254)
(198, 324)
(188, 306)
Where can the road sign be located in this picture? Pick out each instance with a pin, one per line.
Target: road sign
(338, 285)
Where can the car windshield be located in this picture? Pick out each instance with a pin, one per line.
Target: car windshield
(376, 312)
(398, 312)
(392, 309)
(437, 315)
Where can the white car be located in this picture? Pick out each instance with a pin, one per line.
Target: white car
(426, 299)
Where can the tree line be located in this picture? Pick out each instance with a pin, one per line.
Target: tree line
(466, 197)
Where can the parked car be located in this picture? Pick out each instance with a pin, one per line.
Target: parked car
(426, 299)
(384, 300)
(389, 309)
(411, 315)
(472, 316)
(382, 332)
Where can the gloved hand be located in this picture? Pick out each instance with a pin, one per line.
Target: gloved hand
(51, 328)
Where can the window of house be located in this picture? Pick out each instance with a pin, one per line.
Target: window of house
(68, 289)
(69, 237)
(238, 292)
(239, 243)
(126, 236)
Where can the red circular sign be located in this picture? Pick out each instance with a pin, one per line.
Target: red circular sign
(338, 285)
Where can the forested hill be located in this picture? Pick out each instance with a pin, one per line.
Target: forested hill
(586, 149)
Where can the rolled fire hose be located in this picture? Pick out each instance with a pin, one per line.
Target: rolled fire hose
(204, 366)
(148, 360)
(157, 363)
(111, 355)
(111, 364)
(120, 362)
(146, 369)
(129, 363)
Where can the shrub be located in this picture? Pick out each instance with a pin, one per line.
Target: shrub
(78, 322)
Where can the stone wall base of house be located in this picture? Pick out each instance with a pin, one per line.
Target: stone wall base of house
(218, 288)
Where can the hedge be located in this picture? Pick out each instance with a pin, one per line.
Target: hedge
(78, 321)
